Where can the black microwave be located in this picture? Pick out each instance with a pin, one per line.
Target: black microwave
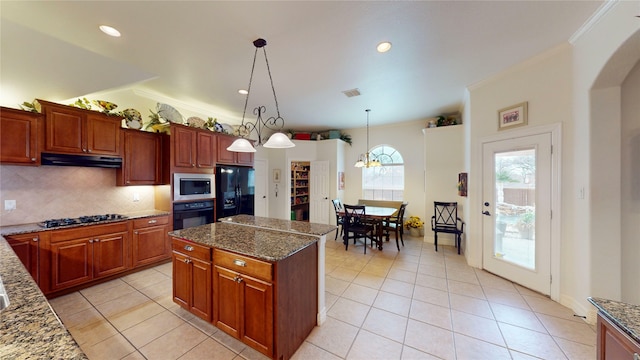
(193, 186)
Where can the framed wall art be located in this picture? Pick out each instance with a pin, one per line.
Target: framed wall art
(276, 175)
(512, 116)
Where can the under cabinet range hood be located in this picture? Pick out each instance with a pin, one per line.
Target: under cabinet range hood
(81, 160)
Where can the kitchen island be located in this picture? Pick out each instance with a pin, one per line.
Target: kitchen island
(618, 329)
(256, 283)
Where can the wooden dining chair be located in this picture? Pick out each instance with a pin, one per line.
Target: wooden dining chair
(446, 220)
(356, 226)
(395, 224)
(339, 209)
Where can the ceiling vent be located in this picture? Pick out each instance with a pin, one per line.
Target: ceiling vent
(352, 92)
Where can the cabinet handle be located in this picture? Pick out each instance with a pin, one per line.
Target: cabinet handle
(88, 150)
(136, 232)
(187, 261)
(33, 159)
(237, 279)
(35, 239)
(153, 221)
(188, 248)
(97, 240)
(91, 241)
(239, 262)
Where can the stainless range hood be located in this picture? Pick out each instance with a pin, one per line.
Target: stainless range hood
(81, 160)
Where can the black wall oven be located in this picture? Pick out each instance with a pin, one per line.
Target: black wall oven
(194, 213)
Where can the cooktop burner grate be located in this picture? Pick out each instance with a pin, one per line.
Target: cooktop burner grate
(52, 223)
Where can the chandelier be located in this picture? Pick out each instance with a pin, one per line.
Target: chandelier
(278, 140)
(366, 159)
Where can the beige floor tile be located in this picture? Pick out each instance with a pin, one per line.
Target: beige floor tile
(349, 311)
(334, 336)
(229, 342)
(123, 303)
(466, 289)
(386, 324)
(516, 355)
(166, 268)
(398, 287)
(569, 330)
(430, 295)
(133, 316)
(477, 327)
(518, 317)
(158, 290)
(376, 270)
(369, 280)
(94, 333)
(432, 282)
(108, 291)
(251, 354)
(361, 294)
(400, 274)
(69, 304)
(335, 286)
(173, 344)
(576, 351)
(344, 274)
(531, 342)
(467, 276)
(393, 303)
(82, 318)
(471, 305)
(506, 298)
(203, 325)
(410, 266)
(114, 347)
(409, 353)
(549, 307)
(329, 299)
(432, 270)
(489, 280)
(470, 348)
(430, 314)
(439, 343)
(134, 356)
(152, 328)
(308, 351)
(371, 346)
(145, 278)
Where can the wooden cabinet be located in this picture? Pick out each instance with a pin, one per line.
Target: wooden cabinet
(70, 130)
(150, 240)
(243, 299)
(142, 161)
(192, 283)
(79, 255)
(227, 157)
(192, 149)
(613, 343)
(27, 248)
(21, 136)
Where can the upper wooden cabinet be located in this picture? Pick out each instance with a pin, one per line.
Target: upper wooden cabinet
(142, 159)
(70, 130)
(192, 150)
(227, 157)
(20, 137)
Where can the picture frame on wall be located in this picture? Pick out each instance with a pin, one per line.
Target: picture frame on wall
(512, 116)
(276, 175)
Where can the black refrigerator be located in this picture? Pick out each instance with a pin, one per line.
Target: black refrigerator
(235, 189)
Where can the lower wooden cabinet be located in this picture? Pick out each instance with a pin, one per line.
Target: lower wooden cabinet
(27, 247)
(150, 240)
(613, 343)
(192, 282)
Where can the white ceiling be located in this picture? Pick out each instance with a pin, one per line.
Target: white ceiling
(200, 52)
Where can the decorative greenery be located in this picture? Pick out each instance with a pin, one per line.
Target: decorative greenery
(31, 106)
(155, 122)
(527, 219)
(83, 103)
(346, 138)
(414, 222)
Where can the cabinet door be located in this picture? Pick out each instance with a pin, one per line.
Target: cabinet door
(181, 280)
(201, 289)
(227, 301)
(103, 134)
(223, 155)
(27, 248)
(142, 159)
(64, 130)
(257, 314)
(184, 147)
(205, 150)
(244, 158)
(150, 244)
(71, 263)
(110, 254)
(20, 133)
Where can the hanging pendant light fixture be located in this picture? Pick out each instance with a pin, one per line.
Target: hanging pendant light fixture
(278, 140)
(366, 159)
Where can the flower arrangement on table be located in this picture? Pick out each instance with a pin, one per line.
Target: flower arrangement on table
(414, 222)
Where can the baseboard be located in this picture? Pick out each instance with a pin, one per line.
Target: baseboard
(589, 312)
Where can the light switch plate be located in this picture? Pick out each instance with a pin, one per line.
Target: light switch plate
(9, 205)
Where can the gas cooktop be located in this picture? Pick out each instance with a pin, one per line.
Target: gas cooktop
(52, 223)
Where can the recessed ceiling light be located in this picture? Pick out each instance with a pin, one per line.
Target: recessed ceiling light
(383, 47)
(109, 31)
(243, 91)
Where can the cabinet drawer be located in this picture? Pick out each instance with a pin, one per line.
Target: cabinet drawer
(88, 231)
(150, 221)
(243, 264)
(191, 249)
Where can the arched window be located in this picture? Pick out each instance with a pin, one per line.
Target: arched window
(387, 181)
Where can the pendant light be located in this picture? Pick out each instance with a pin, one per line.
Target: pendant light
(366, 159)
(278, 140)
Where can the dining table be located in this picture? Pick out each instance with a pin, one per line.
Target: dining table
(377, 215)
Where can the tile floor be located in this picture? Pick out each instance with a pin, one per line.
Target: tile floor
(412, 304)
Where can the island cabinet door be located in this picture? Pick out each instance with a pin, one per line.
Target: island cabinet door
(257, 314)
(181, 280)
(227, 301)
(201, 296)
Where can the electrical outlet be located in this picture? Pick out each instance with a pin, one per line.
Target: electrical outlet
(9, 205)
(136, 197)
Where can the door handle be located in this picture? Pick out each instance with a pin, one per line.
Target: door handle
(486, 213)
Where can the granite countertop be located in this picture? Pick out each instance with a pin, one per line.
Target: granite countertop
(626, 316)
(29, 328)
(265, 244)
(302, 227)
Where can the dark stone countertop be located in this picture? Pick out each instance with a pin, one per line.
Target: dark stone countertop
(625, 316)
(302, 227)
(265, 244)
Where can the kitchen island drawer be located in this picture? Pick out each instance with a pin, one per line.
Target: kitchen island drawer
(150, 221)
(243, 264)
(191, 249)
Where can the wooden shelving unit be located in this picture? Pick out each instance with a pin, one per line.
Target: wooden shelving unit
(300, 190)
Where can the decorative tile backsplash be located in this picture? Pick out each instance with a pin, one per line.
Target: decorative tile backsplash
(49, 192)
